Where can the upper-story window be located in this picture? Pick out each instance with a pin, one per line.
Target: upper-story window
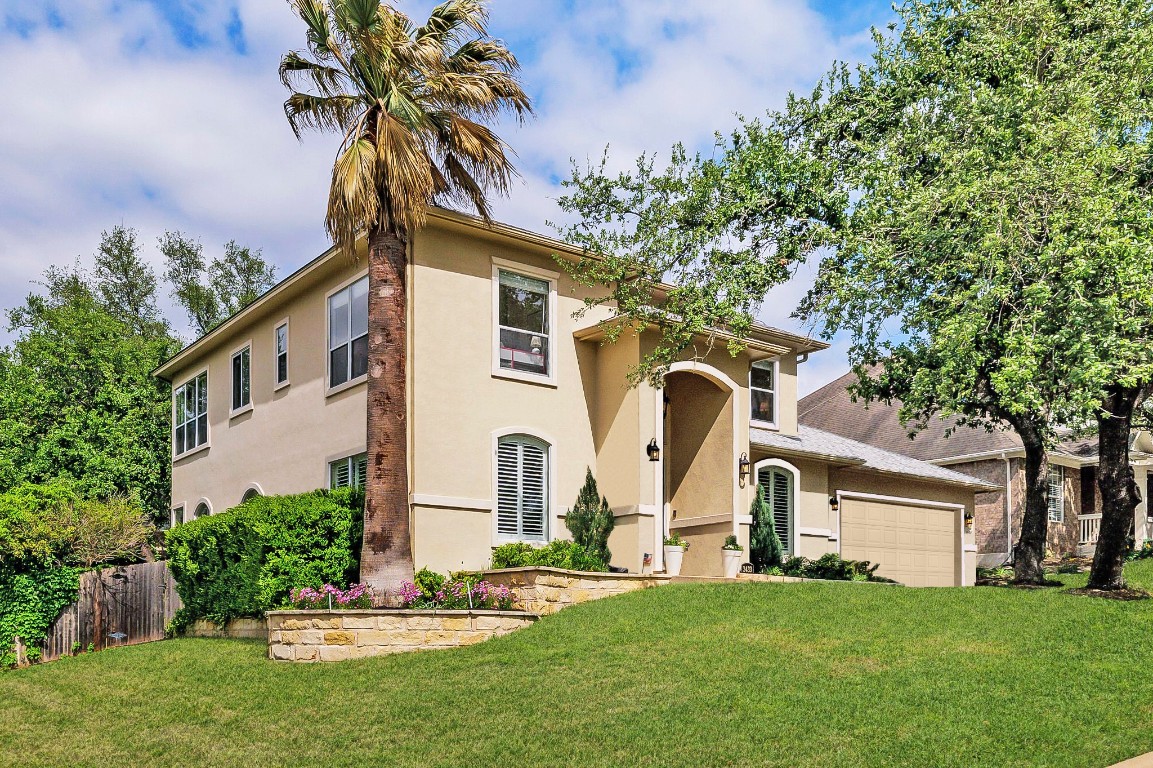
(282, 354)
(190, 415)
(242, 378)
(763, 389)
(1056, 494)
(348, 333)
(523, 332)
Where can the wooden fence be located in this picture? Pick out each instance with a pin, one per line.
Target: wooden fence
(117, 606)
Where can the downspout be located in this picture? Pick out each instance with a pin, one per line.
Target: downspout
(1008, 505)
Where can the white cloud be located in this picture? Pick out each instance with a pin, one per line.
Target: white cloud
(112, 120)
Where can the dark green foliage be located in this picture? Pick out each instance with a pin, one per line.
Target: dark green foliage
(29, 602)
(765, 548)
(731, 543)
(246, 560)
(212, 292)
(831, 566)
(77, 397)
(428, 582)
(591, 519)
(556, 554)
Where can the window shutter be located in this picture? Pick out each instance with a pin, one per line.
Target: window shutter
(361, 478)
(1057, 494)
(522, 488)
(340, 474)
(778, 485)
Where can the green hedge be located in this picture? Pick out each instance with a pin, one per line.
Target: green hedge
(558, 553)
(246, 560)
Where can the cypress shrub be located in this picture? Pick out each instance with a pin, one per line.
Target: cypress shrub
(765, 548)
(591, 519)
(247, 560)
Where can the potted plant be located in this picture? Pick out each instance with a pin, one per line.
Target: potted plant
(675, 548)
(731, 557)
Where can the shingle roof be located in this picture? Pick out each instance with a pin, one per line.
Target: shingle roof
(825, 445)
(831, 408)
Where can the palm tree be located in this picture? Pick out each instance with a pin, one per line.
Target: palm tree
(413, 105)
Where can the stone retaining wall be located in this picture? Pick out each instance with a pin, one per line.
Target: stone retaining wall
(339, 635)
(548, 590)
(247, 629)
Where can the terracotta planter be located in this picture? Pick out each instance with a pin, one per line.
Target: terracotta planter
(673, 558)
(731, 562)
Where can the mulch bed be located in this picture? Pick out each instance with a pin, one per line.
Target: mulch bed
(1112, 594)
(1009, 583)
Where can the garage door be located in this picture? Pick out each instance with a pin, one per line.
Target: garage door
(915, 545)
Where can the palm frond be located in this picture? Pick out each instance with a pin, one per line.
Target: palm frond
(315, 18)
(297, 71)
(321, 113)
(353, 199)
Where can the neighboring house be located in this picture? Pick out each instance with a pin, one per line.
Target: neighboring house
(996, 457)
(511, 398)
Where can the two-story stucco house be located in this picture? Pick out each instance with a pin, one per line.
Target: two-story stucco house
(511, 398)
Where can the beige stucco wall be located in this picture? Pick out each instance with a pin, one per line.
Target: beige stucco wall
(284, 442)
(699, 445)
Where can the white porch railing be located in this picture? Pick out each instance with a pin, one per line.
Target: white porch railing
(1090, 528)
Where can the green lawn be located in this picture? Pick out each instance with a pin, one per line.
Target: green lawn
(693, 675)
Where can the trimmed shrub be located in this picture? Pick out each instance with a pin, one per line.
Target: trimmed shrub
(556, 554)
(833, 567)
(591, 519)
(247, 560)
(765, 548)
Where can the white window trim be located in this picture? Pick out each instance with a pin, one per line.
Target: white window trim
(775, 424)
(551, 277)
(287, 351)
(208, 441)
(183, 507)
(234, 412)
(1060, 519)
(328, 389)
(203, 501)
(794, 528)
(552, 518)
(251, 487)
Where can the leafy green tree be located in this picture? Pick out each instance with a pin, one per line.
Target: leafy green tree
(591, 519)
(211, 292)
(77, 397)
(126, 284)
(413, 105)
(765, 548)
(995, 260)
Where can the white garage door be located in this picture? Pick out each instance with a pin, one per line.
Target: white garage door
(915, 545)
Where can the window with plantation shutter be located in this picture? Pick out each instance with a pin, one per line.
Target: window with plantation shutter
(778, 485)
(350, 471)
(522, 488)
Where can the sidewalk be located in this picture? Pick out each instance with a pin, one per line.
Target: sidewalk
(1141, 761)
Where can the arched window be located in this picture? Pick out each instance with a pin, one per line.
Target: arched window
(780, 492)
(202, 509)
(249, 495)
(522, 488)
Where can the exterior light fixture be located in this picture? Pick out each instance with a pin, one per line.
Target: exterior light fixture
(834, 504)
(968, 521)
(654, 450)
(743, 468)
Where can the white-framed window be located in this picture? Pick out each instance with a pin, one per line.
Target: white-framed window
(522, 488)
(190, 415)
(281, 337)
(524, 313)
(348, 333)
(177, 516)
(780, 490)
(250, 494)
(202, 509)
(242, 378)
(1056, 494)
(349, 471)
(763, 391)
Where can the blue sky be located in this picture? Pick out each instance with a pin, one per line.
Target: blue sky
(162, 115)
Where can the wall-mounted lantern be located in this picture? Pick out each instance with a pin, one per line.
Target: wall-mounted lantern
(654, 450)
(968, 521)
(743, 468)
(834, 504)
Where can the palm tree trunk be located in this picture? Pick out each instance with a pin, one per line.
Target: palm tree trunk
(1119, 494)
(386, 558)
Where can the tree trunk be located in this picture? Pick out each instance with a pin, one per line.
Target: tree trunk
(1119, 495)
(386, 558)
(1029, 552)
